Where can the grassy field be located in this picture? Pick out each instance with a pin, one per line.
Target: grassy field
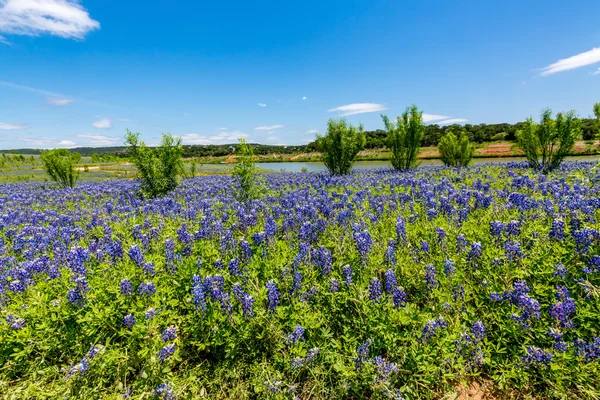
(376, 285)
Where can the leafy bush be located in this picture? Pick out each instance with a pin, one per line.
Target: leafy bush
(340, 145)
(597, 111)
(60, 166)
(404, 138)
(456, 151)
(158, 168)
(245, 172)
(546, 144)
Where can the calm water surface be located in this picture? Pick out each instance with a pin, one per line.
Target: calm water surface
(318, 166)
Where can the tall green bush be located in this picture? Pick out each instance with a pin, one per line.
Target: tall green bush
(404, 137)
(245, 173)
(456, 151)
(547, 144)
(60, 166)
(340, 145)
(597, 111)
(158, 168)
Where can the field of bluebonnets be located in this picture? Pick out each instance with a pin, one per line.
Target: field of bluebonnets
(374, 285)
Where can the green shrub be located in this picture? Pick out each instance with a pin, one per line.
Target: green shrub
(60, 166)
(404, 138)
(245, 173)
(597, 111)
(546, 144)
(340, 145)
(456, 151)
(158, 168)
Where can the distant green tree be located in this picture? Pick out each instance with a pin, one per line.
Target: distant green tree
(456, 151)
(597, 111)
(546, 144)
(340, 145)
(404, 138)
(245, 172)
(60, 166)
(158, 168)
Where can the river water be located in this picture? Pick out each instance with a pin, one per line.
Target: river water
(319, 166)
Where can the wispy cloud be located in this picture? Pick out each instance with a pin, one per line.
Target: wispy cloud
(102, 124)
(268, 127)
(219, 138)
(64, 18)
(48, 143)
(59, 101)
(358, 108)
(596, 72)
(452, 121)
(99, 140)
(261, 105)
(4, 41)
(433, 117)
(11, 127)
(303, 97)
(574, 62)
(312, 131)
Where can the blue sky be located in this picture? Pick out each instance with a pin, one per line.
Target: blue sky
(80, 73)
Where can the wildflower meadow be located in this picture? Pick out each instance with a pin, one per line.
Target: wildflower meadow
(375, 285)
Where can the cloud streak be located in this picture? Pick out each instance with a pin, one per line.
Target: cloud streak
(99, 140)
(268, 127)
(219, 138)
(102, 124)
(574, 62)
(358, 108)
(261, 105)
(433, 117)
(12, 127)
(452, 121)
(63, 18)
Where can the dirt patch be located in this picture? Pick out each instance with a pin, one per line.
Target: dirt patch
(475, 391)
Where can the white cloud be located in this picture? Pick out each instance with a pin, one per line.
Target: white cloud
(123, 119)
(452, 121)
(576, 61)
(4, 41)
(596, 72)
(358, 108)
(223, 129)
(312, 131)
(59, 101)
(48, 143)
(303, 97)
(261, 105)
(103, 124)
(64, 18)
(99, 140)
(268, 128)
(433, 117)
(273, 138)
(11, 127)
(219, 138)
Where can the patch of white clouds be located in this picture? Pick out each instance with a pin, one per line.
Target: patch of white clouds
(99, 140)
(102, 124)
(59, 101)
(577, 61)
(223, 137)
(261, 105)
(358, 108)
(268, 127)
(12, 127)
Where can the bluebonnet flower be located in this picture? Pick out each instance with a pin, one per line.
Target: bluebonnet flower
(273, 296)
(149, 268)
(198, 295)
(458, 294)
(321, 257)
(557, 230)
(166, 352)
(363, 353)
(15, 323)
(384, 368)
(296, 282)
(347, 275)
(560, 270)
(169, 334)
(390, 253)
(401, 229)
(432, 328)
(496, 229)
(296, 335)
(82, 366)
(129, 321)
(137, 256)
(399, 297)
(126, 287)
(475, 253)
(425, 247)
(164, 391)
(375, 290)
(234, 269)
(441, 235)
(563, 308)
(589, 350)
(512, 250)
(536, 356)
(146, 288)
(77, 296)
(390, 281)
(461, 242)
(150, 313)
(449, 268)
(334, 285)
(478, 330)
(559, 344)
(430, 276)
(512, 228)
(301, 361)
(363, 243)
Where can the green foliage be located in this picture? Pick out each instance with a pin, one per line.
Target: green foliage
(245, 173)
(404, 138)
(158, 168)
(340, 145)
(456, 151)
(597, 111)
(60, 166)
(546, 144)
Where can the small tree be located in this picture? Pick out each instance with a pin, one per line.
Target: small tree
(158, 168)
(340, 145)
(546, 144)
(60, 166)
(597, 111)
(456, 151)
(245, 172)
(404, 137)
